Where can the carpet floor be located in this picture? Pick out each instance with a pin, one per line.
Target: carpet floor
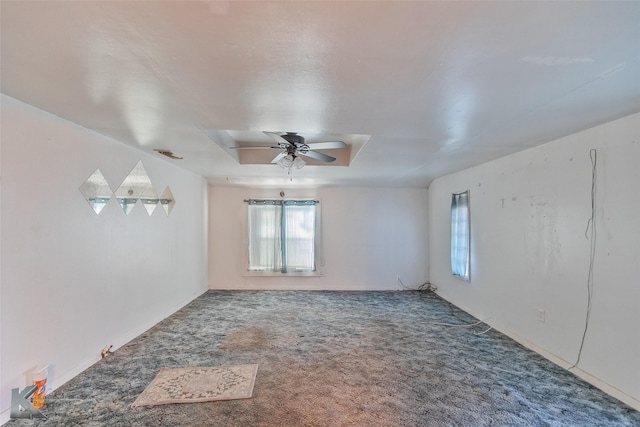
(336, 359)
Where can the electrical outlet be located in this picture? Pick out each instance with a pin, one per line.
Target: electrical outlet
(541, 315)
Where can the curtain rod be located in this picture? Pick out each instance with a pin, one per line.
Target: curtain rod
(281, 200)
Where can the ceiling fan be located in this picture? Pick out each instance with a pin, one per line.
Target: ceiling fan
(293, 146)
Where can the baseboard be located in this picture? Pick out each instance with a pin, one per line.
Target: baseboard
(296, 287)
(5, 416)
(584, 375)
(59, 380)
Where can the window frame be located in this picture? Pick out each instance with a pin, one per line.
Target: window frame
(318, 257)
(467, 277)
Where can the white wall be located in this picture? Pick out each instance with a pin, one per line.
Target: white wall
(529, 212)
(74, 282)
(369, 235)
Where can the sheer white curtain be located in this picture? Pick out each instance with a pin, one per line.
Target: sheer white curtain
(299, 237)
(282, 235)
(265, 253)
(460, 235)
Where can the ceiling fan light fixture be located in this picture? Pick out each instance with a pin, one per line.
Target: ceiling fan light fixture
(298, 163)
(286, 162)
(291, 161)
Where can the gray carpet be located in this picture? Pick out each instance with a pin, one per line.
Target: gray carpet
(336, 359)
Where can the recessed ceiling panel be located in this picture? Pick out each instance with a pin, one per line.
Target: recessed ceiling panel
(258, 148)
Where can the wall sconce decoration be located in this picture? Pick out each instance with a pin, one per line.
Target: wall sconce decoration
(136, 186)
(96, 191)
(167, 200)
(150, 203)
(127, 194)
(143, 188)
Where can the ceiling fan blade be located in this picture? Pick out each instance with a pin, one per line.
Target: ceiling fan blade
(253, 147)
(319, 156)
(278, 157)
(277, 138)
(326, 145)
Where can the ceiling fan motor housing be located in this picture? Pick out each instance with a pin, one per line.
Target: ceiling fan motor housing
(296, 144)
(293, 138)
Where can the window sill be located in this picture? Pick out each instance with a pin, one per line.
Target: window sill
(464, 279)
(278, 274)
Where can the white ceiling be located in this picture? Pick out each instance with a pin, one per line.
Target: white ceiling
(439, 86)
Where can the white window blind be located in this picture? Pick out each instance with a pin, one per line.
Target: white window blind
(282, 235)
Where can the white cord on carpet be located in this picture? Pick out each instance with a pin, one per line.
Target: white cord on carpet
(429, 287)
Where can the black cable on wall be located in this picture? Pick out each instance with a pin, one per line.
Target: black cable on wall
(590, 234)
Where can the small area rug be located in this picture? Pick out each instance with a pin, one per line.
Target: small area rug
(191, 385)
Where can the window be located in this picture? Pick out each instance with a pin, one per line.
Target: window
(460, 235)
(282, 235)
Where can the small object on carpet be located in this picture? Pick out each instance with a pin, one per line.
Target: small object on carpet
(192, 385)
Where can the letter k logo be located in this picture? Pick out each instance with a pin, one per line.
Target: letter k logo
(21, 399)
